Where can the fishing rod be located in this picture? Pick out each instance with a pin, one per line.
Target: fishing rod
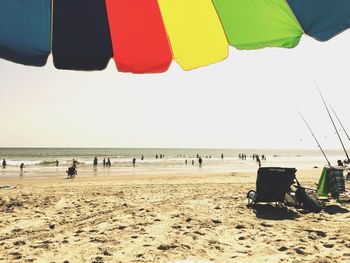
(335, 127)
(347, 135)
(313, 135)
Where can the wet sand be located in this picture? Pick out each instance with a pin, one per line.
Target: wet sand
(163, 218)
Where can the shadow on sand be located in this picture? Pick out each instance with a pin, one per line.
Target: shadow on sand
(335, 209)
(268, 211)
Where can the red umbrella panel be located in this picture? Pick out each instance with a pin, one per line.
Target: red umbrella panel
(139, 39)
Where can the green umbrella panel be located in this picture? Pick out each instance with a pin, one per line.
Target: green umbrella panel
(255, 24)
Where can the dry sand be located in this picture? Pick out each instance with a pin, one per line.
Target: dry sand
(168, 218)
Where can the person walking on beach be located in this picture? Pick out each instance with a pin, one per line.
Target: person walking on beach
(3, 163)
(200, 161)
(133, 162)
(222, 156)
(258, 160)
(186, 162)
(192, 162)
(95, 162)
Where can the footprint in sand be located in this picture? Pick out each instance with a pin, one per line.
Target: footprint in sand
(216, 221)
(19, 243)
(199, 233)
(283, 248)
(328, 245)
(300, 251)
(98, 260)
(319, 233)
(266, 224)
(16, 255)
(166, 247)
(107, 253)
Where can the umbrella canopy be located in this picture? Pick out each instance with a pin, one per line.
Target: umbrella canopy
(25, 35)
(145, 35)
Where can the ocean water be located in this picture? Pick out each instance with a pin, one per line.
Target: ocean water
(42, 160)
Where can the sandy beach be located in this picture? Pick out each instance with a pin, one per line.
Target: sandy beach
(163, 218)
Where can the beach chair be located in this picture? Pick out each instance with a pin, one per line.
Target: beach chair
(272, 184)
(331, 182)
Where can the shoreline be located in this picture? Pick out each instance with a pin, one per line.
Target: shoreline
(305, 175)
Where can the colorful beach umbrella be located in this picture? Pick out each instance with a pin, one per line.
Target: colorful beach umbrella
(144, 36)
(25, 35)
(80, 39)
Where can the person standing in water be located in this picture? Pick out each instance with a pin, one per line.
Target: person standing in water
(222, 156)
(4, 164)
(133, 162)
(104, 162)
(57, 163)
(95, 162)
(109, 164)
(142, 157)
(200, 161)
(22, 167)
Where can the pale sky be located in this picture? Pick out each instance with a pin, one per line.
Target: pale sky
(247, 101)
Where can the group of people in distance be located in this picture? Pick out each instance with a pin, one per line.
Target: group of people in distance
(104, 162)
(161, 156)
(256, 157)
(200, 160)
(72, 171)
(4, 164)
(242, 156)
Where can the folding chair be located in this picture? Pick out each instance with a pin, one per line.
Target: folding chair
(272, 184)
